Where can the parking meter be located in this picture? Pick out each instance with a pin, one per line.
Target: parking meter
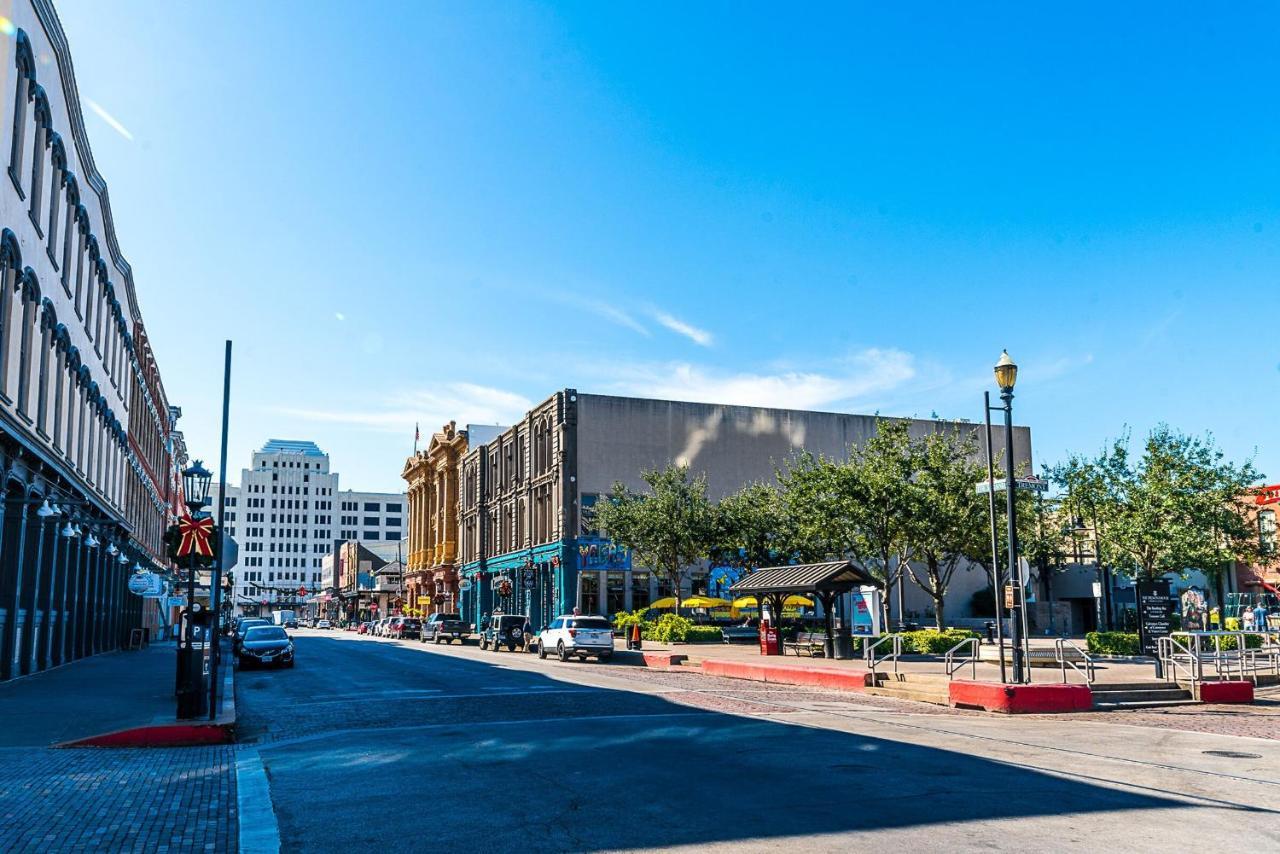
(195, 642)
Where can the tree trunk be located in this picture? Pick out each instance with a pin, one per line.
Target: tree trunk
(937, 611)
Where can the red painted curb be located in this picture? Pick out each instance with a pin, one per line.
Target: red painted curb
(1226, 692)
(820, 677)
(662, 659)
(166, 735)
(1020, 699)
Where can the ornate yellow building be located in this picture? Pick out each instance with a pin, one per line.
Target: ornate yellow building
(431, 574)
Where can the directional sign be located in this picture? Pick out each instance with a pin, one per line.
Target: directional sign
(1030, 484)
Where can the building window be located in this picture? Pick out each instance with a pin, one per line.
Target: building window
(1267, 531)
(371, 521)
(22, 96)
(393, 508)
(371, 507)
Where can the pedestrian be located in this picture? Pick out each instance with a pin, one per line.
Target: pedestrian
(528, 634)
(1260, 617)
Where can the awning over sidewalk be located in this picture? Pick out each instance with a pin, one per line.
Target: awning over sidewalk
(836, 577)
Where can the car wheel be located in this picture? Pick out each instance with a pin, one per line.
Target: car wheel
(561, 652)
(437, 640)
(290, 664)
(542, 651)
(484, 644)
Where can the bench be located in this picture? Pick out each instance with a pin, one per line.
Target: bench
(742, 634)
(811, 643)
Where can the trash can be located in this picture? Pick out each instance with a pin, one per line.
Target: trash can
(991, 631)
(844, 644)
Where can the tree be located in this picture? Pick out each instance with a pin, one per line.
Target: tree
(1177, 507)
(950, 516)
(669, 528)
(752, 529)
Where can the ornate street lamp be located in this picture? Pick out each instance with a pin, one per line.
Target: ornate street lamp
(1006, 374)
(195, 483)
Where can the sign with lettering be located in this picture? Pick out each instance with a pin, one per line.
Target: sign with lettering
(146, 584)
(1155, 614)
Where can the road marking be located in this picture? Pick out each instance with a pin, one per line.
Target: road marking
(259, 832)
(489, 696)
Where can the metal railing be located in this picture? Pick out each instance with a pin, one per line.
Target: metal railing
(1060, 654)
(869, 653)
(1179, 658)
(954, 662)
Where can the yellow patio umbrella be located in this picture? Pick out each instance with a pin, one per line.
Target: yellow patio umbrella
(663, 604)
(704, 602)
(789, 602)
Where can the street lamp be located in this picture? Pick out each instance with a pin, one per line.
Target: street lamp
(195, 483)
(1006, 373)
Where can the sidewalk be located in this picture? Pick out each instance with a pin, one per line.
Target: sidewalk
(109, 693)
(1118, 671)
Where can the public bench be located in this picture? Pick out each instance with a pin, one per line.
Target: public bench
(808, 643)
(739, 634)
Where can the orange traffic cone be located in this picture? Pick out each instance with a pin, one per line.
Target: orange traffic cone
(635, 636)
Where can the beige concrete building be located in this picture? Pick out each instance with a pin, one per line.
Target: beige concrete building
(431, 574)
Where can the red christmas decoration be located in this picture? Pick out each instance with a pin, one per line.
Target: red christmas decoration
(196, 534)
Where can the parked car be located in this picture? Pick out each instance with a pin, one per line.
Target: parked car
(245, 623)
(503, 629)
(404, 627)
(446, 627)
(323, 624)
(265, 645)
(364, 628)
(581, 636)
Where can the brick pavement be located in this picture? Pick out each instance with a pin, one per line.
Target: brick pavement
(143, 800)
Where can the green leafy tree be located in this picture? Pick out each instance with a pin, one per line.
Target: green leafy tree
(752, 529)
(669, 528)
(951, 517)
(1177, 506)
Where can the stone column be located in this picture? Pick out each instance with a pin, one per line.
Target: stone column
(19, 551)
(36, 613)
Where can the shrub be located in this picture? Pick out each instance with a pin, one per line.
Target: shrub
(670, 628)
(1113, 643)
(703, 634)
(622, 621)
(926, 641)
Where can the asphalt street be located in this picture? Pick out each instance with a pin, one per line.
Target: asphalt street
(370, 743)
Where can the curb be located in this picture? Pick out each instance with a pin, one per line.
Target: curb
(221, 730)
(1020, 699)
(639, 658)
(820, 677)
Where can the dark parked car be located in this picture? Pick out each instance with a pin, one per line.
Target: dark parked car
(404, 627)
(246, 623)
(445, 627)
(266, 645)
(503, 629)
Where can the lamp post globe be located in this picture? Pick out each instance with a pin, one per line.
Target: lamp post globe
(1006, 372)
(195, 483)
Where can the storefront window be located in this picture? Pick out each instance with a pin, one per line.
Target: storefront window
(639, 591)
(589, 603)
(615, 592)
(664, 587)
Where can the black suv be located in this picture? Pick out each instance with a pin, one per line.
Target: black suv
(503, 629)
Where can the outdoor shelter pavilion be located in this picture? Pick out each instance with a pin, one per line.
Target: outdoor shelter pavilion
(826, 581)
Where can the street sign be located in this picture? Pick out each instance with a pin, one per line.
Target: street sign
(1029, 484)
(1155, 614)
(146, 584)
(230, 552)
(464, 584)
(175, 601)
(302, 591)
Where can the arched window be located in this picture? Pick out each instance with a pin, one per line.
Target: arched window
(48, 321)
(69, 231)
(88, 245)
(44, 122)
(1267, 531)
(57, 180)
(72, 413)
(26, 81)
(61, 343)
(10, 265)
(30, 300)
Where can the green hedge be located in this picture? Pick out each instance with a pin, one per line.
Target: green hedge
(928, 641)
(1113, 643)
(703, 634)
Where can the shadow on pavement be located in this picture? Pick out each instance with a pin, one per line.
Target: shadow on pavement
(470, 750)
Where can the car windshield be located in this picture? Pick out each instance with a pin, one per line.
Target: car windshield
(443, 617)
(266, 633)
(592, 623)
(512, 621)
(248, 624)
(413, 623)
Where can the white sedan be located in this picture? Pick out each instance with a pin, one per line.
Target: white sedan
(323, 624)
(581, 636)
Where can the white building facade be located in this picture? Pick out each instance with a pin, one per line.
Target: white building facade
(85, 430)
(286, 514)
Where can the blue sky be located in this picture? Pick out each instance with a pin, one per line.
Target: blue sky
(418, 212)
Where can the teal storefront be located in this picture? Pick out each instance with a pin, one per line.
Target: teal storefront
(531, 581)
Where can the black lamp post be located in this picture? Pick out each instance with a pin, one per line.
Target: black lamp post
(1006, 375)
(195, 485)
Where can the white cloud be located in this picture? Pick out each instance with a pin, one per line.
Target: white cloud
(461, 402)
(109, 119)
(866, 373)
(600, 308)
(678, 326)
(339, 315)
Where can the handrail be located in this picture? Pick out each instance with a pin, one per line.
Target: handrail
(1168, 649)
(869, 653)
(1060, 651)
(953, 664)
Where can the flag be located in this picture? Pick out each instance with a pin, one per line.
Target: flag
(417, 434)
